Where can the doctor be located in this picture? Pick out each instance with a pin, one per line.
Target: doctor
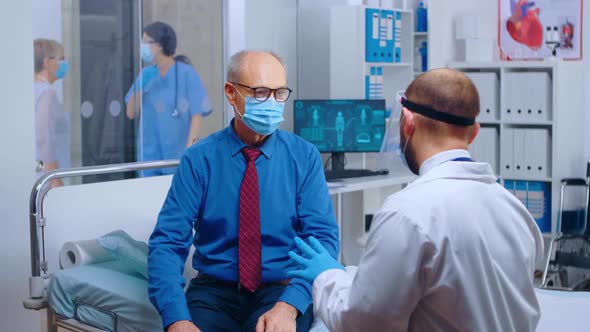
(173, 99)
(453, 251)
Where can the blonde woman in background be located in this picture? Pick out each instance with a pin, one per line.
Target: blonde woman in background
(51, 122)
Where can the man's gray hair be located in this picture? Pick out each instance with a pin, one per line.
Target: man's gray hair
(236, 64)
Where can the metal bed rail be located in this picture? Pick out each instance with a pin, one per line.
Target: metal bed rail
(37, 223)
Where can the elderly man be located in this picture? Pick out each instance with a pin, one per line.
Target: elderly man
(453, 251)
(246, 192)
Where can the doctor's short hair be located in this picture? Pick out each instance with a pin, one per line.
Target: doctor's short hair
(236, 63)
(45, 49)
(445, 90)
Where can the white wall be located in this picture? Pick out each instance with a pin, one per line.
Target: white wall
(17, 171)
(47, 19)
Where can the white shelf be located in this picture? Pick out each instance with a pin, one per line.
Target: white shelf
(388, 64)
(420, 34)
(490, 122)
(529, 123)
(524, 178)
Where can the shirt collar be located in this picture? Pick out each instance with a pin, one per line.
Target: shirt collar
(441, 158)
(236, 145)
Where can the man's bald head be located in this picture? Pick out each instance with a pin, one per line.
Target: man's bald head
(247, 65)
(447, 91)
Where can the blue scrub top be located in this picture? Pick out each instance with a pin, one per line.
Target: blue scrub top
(165, 122)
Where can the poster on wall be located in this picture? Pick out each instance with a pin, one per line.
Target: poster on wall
(540, 29)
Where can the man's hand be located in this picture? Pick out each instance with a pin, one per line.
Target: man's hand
(315, 260)
(281, 318)
(182, 326)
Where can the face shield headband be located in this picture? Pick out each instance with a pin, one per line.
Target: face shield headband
(436, 115)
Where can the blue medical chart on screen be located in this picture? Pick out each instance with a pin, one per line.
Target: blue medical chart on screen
(343, 125)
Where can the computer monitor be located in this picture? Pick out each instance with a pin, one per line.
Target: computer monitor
(341, 125)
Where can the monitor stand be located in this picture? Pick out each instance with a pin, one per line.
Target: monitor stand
(337, 161)
(339, 172)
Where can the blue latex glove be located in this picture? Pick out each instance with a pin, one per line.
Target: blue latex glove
(314, 261)
(147, 74)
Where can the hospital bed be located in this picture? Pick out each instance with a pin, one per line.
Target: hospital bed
(108, 296)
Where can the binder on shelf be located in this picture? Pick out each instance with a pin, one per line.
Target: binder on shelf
(509, 185)
(519, 151)
(541, 145)
(368, 76)
(374, 83)
(372, 26)
(489, 151)
(510, 93)
(487, 86)
(388, 33)
(540, 95)
(521, 191)
(539, 204)
(507, 152)
(379, 83)
(397, 52)
(382, 36)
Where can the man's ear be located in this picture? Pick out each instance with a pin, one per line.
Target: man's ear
(474, 132)
(230, 93)
(408, 122)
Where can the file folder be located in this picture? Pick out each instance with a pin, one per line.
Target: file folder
(398, 38)
(388, 47)
(509, 185)
(487, 86)
(372, 26)
(521, 191)
(541, 145)
(519, 150)
(507, 152)
(539, 204)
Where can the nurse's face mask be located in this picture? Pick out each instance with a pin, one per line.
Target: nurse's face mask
(145, 50)
(263, 114)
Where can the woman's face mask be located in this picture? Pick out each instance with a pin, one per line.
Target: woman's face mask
(146, 53)
(62, 69)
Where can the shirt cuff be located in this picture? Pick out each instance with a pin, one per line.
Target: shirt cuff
(174, 313)
(296, 297)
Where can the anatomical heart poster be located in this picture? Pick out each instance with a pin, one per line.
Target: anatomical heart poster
(540, 29)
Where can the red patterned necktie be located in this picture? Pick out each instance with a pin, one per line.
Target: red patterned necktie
(249, 242)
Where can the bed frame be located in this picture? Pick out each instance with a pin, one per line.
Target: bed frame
(40, 275)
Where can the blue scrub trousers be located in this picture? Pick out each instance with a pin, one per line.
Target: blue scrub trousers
(217, 307)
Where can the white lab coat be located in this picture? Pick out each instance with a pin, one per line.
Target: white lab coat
(454, 251)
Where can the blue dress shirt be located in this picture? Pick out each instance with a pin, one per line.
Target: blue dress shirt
(204, 197)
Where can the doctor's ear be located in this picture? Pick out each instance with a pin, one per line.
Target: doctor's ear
(474, 133)
(408, 122)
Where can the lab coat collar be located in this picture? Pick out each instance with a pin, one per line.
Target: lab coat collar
(236, 145)
(441, 166)
(442, 157)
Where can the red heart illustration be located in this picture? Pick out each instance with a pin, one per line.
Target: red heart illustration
(525, 29)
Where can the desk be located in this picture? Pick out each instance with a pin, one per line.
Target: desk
(349, 193)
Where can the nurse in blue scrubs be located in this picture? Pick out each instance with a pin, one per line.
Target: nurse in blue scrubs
(172, 97)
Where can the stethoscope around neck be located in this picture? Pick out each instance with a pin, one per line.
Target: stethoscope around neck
(175, 111)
